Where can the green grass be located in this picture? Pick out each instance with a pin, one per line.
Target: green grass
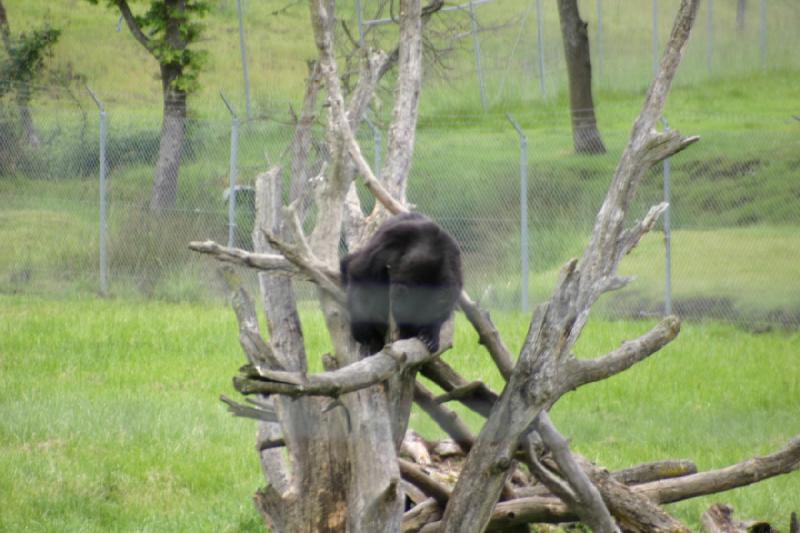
(110, 417)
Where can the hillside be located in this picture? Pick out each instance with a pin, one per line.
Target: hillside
(279, 44)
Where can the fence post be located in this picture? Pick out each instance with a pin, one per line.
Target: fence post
(540, 45)
(762, 33)
(103, 200)
(477, 44)
(523, 213)
(378, 143)
(710, 38)
(243, 49)
(600, 50)
(655, 38)
(360, 22)
(232, 172)
(667, 236)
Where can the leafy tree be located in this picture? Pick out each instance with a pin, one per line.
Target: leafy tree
(24, 63)
(167, 30)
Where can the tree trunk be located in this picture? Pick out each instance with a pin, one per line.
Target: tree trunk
(741, 6)
(575, 36)
(165, 185)
(315, 439)
(22, 96)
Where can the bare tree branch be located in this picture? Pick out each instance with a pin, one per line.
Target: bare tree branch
(308, 264)
(487, 334)
(236, 256)
(747, 472)
(588, 503)
(584, 371)
(393, 359)
(480, 399)
(539, 377)
(447, 419)
(427, 511)
(416, 475)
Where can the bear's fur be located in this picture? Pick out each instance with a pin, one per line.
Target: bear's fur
(410, 267)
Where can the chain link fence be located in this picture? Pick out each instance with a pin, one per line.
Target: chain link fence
(490, 52)
(734, 217)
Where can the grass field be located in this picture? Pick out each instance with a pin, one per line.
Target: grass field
(110, 418)
(109, 411)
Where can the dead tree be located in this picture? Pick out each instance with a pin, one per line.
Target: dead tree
(329, 442)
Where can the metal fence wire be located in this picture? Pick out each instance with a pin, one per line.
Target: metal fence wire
(734, 216)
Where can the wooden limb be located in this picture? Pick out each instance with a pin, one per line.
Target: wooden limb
(415, 519)
(258, 352)
(540, 376)
(416, 474)
(446, 418)
(635, 475)
(549, 480)
(247, 411)
(414, 446)
(400, 147)
(719, 519)
(633, 511)
(134, 28)
(584, 371)
(236, 256)
(355, 221)
(747, 472)
(412, 492)
(309, 265)
(302, 143)
(631, 237)
(480, 399)
(587, 504)
(393, 359)
(645, 473)
(460, 392)
(487, 335)
(547, 509)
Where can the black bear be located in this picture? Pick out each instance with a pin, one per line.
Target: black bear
(411, 266)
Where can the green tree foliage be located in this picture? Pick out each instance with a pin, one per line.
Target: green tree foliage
(167, 30)
(25, 58)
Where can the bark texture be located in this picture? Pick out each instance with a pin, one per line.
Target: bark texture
(173, 128)
(22, 94)
(342, 428)
(575, 37)
(539, 377)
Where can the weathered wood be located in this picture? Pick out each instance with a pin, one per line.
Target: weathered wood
(416, 518)
(747, 472)
(480, 398)
(282, 504)
(539, 377)
(585, 499)
(633, 511)
(415, 447)
(446, 418)
(654, 471)
(236, 256)
(719, 519)
(392, 360)
(416, 474)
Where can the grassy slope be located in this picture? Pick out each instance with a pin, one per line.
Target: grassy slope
(111, 419)
(100, 429)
